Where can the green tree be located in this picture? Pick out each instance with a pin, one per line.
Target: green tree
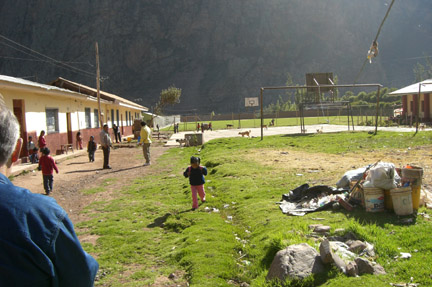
(168, 96)
(423, 72)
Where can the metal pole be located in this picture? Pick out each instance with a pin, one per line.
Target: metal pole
(377, 110)
(418, 108)
(262, 113)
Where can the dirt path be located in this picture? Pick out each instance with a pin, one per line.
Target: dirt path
(77, 174)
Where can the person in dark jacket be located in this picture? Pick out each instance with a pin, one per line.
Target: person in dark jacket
(39, 246)
(196, 173)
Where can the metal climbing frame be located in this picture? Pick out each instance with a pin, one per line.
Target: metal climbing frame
(378, 86)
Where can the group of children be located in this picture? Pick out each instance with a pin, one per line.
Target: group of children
(47, 163)
(195, 172)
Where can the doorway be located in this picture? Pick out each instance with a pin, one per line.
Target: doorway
(19, 112)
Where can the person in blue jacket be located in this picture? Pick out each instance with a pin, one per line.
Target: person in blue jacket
(38, 244)
(196, 173)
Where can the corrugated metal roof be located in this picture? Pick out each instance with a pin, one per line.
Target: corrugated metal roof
(426, 87)
(24, 82)
(88, 90)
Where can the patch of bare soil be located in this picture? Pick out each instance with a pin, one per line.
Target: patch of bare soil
(333, 167)
(77, 173)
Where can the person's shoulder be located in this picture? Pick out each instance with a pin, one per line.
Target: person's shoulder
(22, 199)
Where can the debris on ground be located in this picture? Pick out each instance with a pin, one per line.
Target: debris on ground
(305, 199)
(374, 187)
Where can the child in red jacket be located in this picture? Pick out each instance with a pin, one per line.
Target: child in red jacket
(47, 165)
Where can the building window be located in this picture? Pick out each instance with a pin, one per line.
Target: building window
(130, 119)
(87, 117)
(411, 106)
(96, 118)
(127, 119)
(52, 120)
(118, 118)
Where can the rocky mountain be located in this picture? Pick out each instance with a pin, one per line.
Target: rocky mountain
(217, 51)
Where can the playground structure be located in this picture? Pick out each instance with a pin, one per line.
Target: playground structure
(314, 97)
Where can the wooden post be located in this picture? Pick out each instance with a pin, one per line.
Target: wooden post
(98, 84)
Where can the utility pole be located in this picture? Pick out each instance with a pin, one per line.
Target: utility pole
(98, 84)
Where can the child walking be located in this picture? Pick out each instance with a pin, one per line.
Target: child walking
(47, 165)
(91, 148)
(196, 173)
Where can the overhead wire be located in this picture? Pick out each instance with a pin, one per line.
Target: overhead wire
(376, 38)
(41, 57)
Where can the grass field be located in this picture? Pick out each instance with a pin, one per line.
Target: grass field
(149, 231)
(255, 123)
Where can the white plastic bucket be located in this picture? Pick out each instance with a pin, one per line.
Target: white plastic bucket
(402, 200)
(374, 199)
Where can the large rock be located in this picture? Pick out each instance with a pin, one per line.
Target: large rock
(295, 261)
(367, 267)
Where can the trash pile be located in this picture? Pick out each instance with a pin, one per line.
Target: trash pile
(376, 187)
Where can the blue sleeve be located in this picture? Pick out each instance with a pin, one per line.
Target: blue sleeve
(74, 267)
(204, 170)
(185, 173)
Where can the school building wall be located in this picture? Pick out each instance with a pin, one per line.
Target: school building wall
(34, 105)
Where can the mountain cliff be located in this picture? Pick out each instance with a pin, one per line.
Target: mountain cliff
(217, 51)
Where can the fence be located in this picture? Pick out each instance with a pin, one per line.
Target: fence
(358, 112)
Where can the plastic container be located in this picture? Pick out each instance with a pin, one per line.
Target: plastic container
(374, 199)
(388, 202)
(412, 175)
(402, 200)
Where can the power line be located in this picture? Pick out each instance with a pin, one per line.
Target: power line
(51, 60)
(376, 38)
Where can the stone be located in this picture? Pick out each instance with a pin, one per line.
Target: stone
(351, 269)
(326, 252)
(378, 269)
(296, 262)
(357, 246)
(313, 226)
(367, 267)
(340, 264)
(339, 230)
(322, 229)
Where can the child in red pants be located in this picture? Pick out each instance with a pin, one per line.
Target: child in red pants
(196, 173)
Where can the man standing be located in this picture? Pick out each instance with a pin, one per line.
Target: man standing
(39, 246)
(145, 135)
(106, 143)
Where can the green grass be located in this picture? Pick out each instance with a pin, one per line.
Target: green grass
(150, 231)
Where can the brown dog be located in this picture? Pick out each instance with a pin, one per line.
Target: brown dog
(246, 133)
(265, 127)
